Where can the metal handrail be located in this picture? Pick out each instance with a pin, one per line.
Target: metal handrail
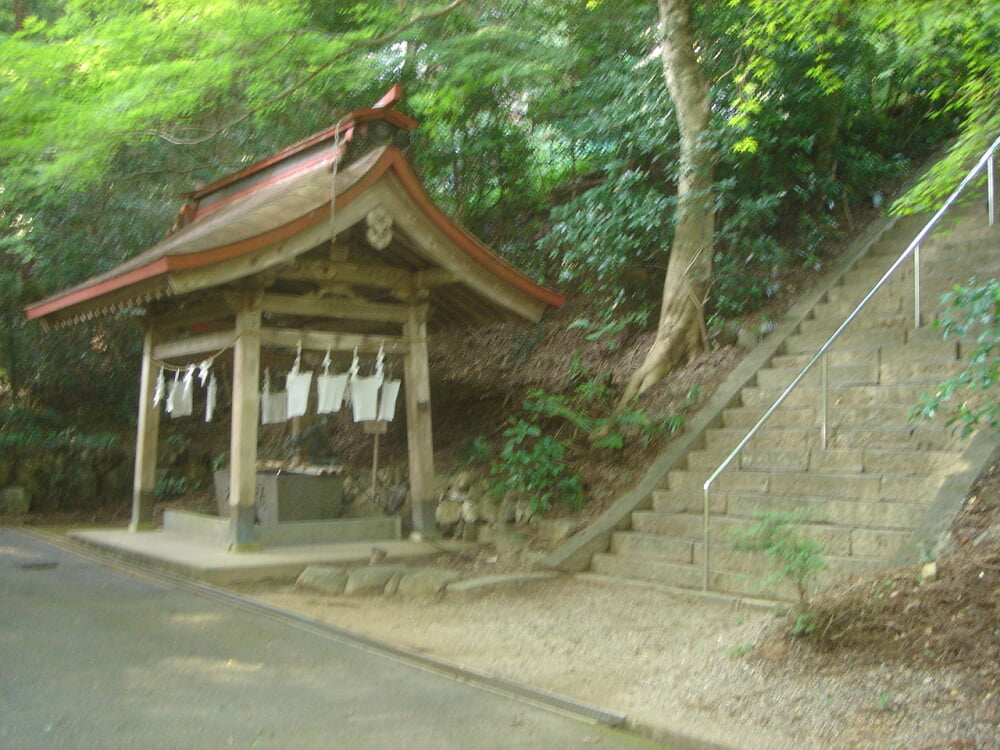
(912, 249)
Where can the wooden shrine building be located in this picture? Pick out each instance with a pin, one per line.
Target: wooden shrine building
(331, 244)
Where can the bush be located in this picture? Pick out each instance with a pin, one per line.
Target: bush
(972, 307)
(532, 464)
(799, 558)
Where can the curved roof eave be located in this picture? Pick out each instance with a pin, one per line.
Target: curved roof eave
(159, 261)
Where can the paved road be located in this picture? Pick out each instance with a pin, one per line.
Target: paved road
(92, 658)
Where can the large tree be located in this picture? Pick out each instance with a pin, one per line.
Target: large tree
(681, 327)
(953, 41)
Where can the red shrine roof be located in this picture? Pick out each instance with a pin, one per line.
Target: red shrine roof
(244, 223)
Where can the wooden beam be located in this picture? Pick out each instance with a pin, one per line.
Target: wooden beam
(367, 274)
(287, 304)
(207, 312)
(243, 435)
(434, 277)
(289, 338)
(419, 435)
(147, 434)
(206, 343)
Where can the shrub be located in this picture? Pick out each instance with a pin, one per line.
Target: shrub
(799, 558)
(976, 306)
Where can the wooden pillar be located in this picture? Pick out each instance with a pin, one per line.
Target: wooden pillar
(147, 434)
(243, 436)
(419, 438)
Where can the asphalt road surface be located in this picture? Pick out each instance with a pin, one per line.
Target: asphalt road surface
(93, 658)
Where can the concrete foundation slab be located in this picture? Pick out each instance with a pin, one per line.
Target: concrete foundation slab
(201, 559)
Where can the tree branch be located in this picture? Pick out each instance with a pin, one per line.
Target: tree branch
(302, 82)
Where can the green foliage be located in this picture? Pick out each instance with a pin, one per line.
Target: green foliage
(804, 624)
(608, 326)
(798, 558)
(534, 460)
(47, 432)
(171, 486)
(545, 127)
(953, 47)
(60, 464)
(740, 650)
(973, 308)
(816, 105)
(533, 464)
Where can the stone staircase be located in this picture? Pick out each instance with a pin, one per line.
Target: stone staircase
(863, 496)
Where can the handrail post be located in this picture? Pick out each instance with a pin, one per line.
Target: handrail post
(991, 190)
(825, 391)
(704, 553)
(916, 287)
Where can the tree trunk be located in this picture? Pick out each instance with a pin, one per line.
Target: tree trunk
(681, 327)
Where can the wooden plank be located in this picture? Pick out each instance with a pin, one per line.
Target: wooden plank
(206, 343)
(147, 435)
(432, 277)
(366, 274)
(287, 304)
(180, 319)
(419, 435)
(289, 338)
(243, 435)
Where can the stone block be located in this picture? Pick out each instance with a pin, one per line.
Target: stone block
(428, 583)
(448, 513)
(325, 578)
(371, 580)
(556, 530)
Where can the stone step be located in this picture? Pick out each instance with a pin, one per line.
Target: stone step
(864, 322)
(868, 460)
(641, 569)
(971, 241)
(874, 356)
(905, 394)
(848, 512)
(972, 237)
(683, 490)
(652, 546)
(854, 338)
(895, 295)
(863, 339)
(742, 417)
(930, 334)
(895, 371)
(690, 527)
(980, 262)
(840, 418)
(777, 459)
(842, 541)
(840, 436)
(749, 577)
(817, 505)
(856, 374)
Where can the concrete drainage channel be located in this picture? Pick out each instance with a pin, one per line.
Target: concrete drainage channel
(483, 681)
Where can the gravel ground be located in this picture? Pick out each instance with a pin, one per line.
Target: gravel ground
(678, 666)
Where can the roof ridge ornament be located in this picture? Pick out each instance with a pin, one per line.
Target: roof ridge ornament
(379, 231)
